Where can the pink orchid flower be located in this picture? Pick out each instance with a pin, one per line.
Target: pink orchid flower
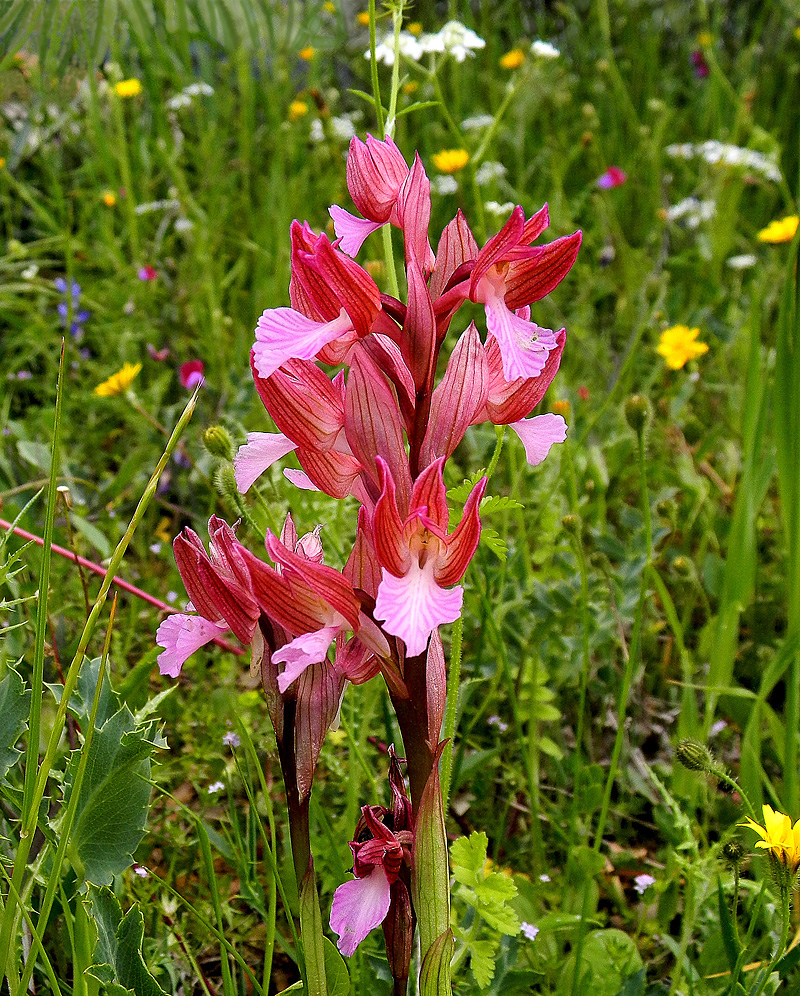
(219, 586)
(420, 560)
(334, 297)
(384, 189)
(312, 602)
(508, 275)
(363, 903)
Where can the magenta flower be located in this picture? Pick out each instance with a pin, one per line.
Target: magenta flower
(191, 373)
(420, 560)
(219, 585)
(147, 273)
(363, 903)
(613, 177)
(510, 274)
(701, 69)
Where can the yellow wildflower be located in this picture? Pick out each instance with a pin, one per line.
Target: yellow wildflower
(450, 160)
(561, 406)
(2, 162)
(411, 87)
(363, 18)
(128, 88)
(678, 345)
(779, 837)
(307, 53)
(297, 109)
(797, 32)
(328, 7)
(705, 39)
(779, 231)
(512, 59)
(109, 198)
(415, 28)
(119, 382)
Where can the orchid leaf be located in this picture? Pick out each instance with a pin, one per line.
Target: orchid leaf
(14, 707)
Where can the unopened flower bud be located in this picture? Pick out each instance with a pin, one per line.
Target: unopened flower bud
(572, 524)
(637, 412)
(695, 756)
(225, 484)
(733, 853)
(683, 566)
(218, 442)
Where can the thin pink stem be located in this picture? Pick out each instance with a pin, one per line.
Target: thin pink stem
(98, 569)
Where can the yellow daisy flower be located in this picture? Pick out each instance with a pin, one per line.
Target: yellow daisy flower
(512, 59)
(128, 88)
(415, 28)
(779, 231)
(307, 53)
(363, 18)
(109, 198)
(450, 160)
(119, 382)
(297, 109)
(679, 344)
(705, 39)
(411, 87)
(328, 7)
(779, 837)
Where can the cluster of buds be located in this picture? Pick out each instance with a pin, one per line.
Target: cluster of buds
(380, 430)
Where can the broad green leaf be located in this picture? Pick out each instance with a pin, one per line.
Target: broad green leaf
(610, 958)
(36, 453)
(94, 536)
(15, 701)
(481, 961)
(336, 973)
(115, 796)
(80, 704)
(118, 960)
(468, 854)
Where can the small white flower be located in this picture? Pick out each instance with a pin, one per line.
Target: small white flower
(342, 127)
(478, 121)
(316, 131)
(140, 871)
(407, 44)
(496, 721)
(444, 184)
(155, 548)
(215, 787)
(717, 728)
(544, 878)
(489, 171)
(172, 597)
(529, 930)
(183, 224)
(691, 211)
(544, 50)
(498, 209)
(173, 204)
(232, 739)
(642, 883)
(742, 262)
(30, 272)
(453, 39)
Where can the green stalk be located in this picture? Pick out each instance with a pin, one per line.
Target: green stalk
(451, 707)
(29, 820)
(37, 678)
(65, 828)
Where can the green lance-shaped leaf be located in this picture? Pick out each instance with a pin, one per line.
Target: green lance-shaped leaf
(434, 979)
(15, 701)
(729, 939)
(114, 797)
(118, 961)
(430, 885)
(311, 932)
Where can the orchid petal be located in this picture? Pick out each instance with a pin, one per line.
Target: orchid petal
(412, 606)
(300, 479)
(538, 434)
(350, 230)
(524, 346)
(180, 635)
(283, 334)
(259, 453)
(310, 648)
(359, 906)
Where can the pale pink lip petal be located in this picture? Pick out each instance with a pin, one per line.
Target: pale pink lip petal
(358, 906)
(260, 451)
(181, 635)
(310, 648)
(412, 606)
(538, 434)
(524, 346)
(283, 334)
(300, 479)
(350, 230)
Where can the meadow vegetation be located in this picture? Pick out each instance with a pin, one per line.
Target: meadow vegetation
(637, 590)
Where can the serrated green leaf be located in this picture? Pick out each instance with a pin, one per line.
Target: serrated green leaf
(495, 888)
(15, 703)
(80, 704)
(495, 542)
(729, 939)
(115, 796)
(118, 960)
(498, 503)
(468, 855)
(460, 493)
(501, 918)
(481, 961)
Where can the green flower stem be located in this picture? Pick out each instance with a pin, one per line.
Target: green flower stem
(451, 708)
(30, 817)
(786, 897)
(373, 65)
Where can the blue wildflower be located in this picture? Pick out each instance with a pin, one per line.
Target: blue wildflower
(72, 315)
